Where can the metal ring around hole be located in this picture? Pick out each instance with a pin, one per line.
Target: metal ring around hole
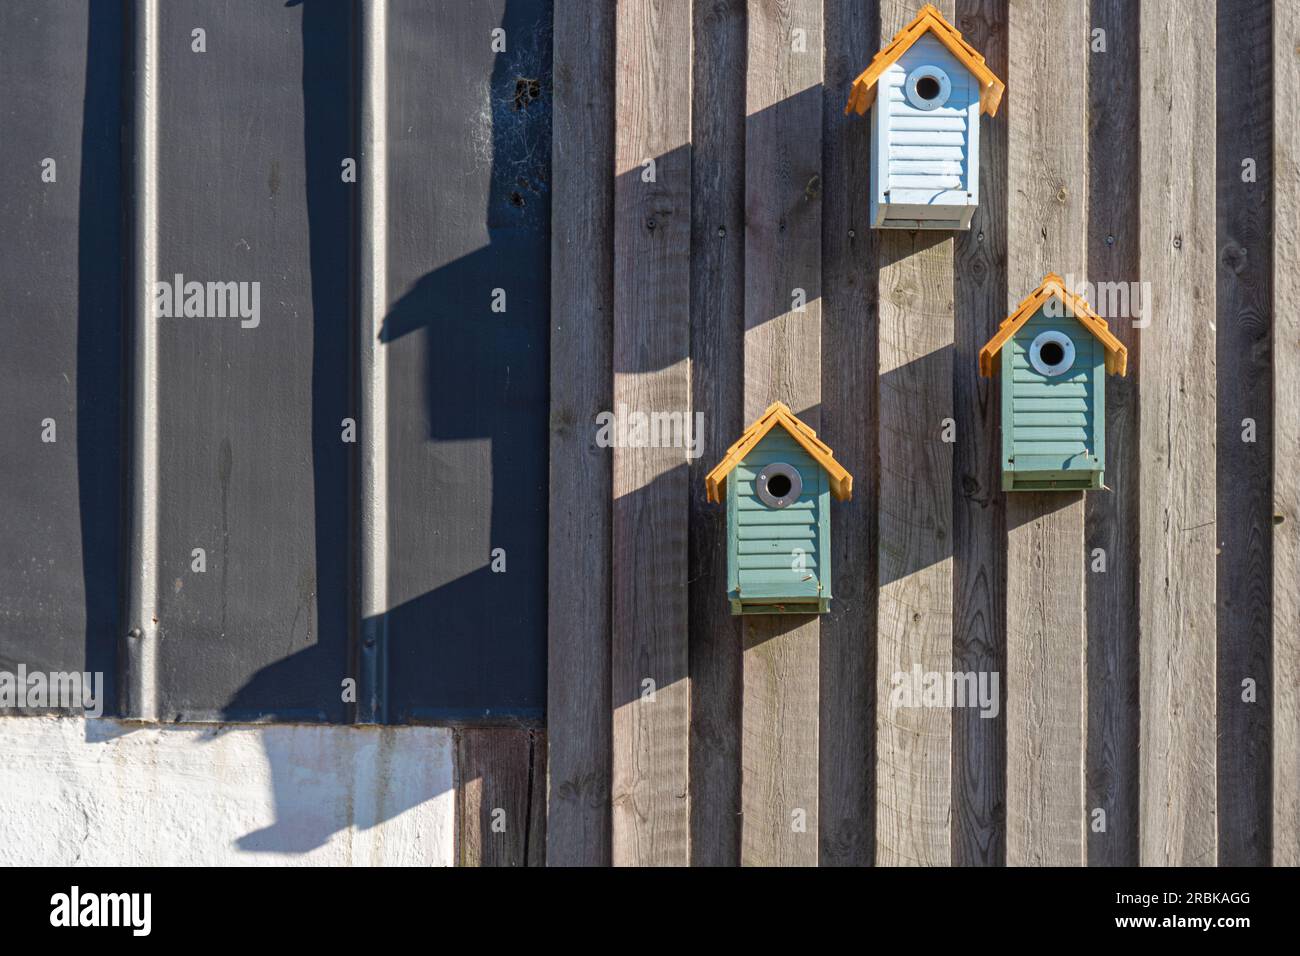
(1067, 353)
(765, 477)
(935, 73)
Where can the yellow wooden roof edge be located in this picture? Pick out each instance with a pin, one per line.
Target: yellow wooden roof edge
(1054, 285)
(778, 413)
(863, 92)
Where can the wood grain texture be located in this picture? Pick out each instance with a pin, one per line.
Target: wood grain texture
(914, 570)
(500, 797)
(1286, 437)
(1177, 582)
(783, 188)
(1245, 495)
(979, 505)
(582, 300)
(1112, 515)
(846, 759)
(652, 234)
(717, 358)
(1046, 229)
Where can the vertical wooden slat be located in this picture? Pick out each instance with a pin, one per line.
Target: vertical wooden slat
(500, 796)
(1046, 232)
(1245, 497)
(914, 610)
(979, 506)
(783, 188)
(652, 223)
(582, 300)
(1112, 516)
(1177, 582)
(1286, 435)
(717, 347)
(845, 810)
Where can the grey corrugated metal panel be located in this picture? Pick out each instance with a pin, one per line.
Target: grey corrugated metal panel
(252, 465)
(61, 328)
(468, 179)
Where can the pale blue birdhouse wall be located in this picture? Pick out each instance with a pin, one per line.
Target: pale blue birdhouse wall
(1053, 413)
(925, 157)
(778, 557)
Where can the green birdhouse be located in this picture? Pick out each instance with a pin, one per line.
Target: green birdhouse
(778, 515)
(1055, 352)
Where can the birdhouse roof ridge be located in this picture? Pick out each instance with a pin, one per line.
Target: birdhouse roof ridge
(929, 20)
(1054, 286)
(778, 413)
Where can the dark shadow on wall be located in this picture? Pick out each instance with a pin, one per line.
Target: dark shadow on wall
(642, 517)
(453, 651)
(473, 648)
(101, 319)
(290, 689)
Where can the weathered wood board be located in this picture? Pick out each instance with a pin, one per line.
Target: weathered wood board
(1245, 411)
(1286, 442)
(1178, 459)
(1045, 660)
(582, 308)
(1111, 531)
(717, 382)
(783, 193)
(652, 236)
(846, 684)
(915, 568)
(979, 534)
(500, 797)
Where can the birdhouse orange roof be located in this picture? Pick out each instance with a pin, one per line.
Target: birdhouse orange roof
(1053, 285)
(778, 413)
(929, 19)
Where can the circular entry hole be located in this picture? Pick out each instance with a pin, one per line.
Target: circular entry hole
(779, 485)
(927, 87)
(1052, 353)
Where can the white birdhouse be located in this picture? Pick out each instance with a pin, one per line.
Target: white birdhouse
(929, 87)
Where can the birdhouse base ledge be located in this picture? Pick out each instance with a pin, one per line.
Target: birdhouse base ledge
(820, 606)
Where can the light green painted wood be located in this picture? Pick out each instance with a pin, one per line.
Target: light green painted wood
(1053, 427)
(778, 559)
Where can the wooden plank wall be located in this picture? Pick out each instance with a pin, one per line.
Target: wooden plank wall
(979, 516)
(582, 307)
(500, 803)
(1177, 460)
(1286, 449)
(783, 197)
(1120, 646)
(717, 377)
(652, 270)
(1046, 223)
(914, 569)
(1243, 305)
(1112, 518)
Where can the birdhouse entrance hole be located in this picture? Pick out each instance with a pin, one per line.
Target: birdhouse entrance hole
(928, 87)
(779, 485)
(1052, 353)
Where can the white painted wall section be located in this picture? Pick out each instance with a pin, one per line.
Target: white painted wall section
(106, 793)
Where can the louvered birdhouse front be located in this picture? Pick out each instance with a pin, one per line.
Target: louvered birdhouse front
(1054, 352)
(926, 91)
(778, 481)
